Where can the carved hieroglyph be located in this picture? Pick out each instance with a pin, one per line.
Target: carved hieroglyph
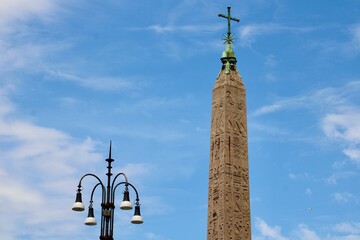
(229, 197)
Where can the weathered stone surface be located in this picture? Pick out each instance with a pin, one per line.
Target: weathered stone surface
(229, 197)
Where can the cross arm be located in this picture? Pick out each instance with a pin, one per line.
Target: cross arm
(231, 18)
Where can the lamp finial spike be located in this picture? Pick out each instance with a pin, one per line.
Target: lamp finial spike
(110, 150)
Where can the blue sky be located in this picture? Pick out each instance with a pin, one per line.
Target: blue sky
(76, 74)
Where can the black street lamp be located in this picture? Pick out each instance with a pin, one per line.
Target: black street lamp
(107, 203)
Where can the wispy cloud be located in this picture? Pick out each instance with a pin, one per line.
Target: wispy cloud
(151, 104)
(6, 106)
(136, 170)
(337, 110)
(174, 21)
(249, 33)
(158, 28)
(270, 61)
(308, 192)
(161, 28)
(192, 38)
(27, 57)
(272, 108)
(348, 47)
(152, 236)
(344, 197)
(326, 99)
(335, 177)
(355, 37)
(302, 176)
(96, 83)
(24, 51)
(19, 10)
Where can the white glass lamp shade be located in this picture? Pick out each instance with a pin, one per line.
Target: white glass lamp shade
(90, 220)
(137, 218)
(78, 205)
(126, 204)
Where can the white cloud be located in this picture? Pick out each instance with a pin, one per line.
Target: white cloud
(19, 196)
(6, 106)
(308, 192)
(345, 127)
(271, 77)
(28, 57)
(337, 110)
(344, 197)
(304, 233)
(21, 48)
(156, 201)
(339, 231)
(136, 170)
(353, 154)
(270, 61)
(152, 236)
(38, 170)
(348, 228)
(13, 10)
(268, 231)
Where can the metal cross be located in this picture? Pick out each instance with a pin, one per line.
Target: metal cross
(229, 38)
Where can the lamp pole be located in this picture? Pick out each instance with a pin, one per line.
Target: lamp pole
(107, 201)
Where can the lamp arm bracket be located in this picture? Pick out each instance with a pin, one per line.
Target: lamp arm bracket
(137, 195)
(126, 184)
(114, 189)
(103, 193)
(92, 175)
(117, 175)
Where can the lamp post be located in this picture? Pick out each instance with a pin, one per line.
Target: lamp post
(107, 202)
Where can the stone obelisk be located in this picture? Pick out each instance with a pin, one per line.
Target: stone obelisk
(229, 196)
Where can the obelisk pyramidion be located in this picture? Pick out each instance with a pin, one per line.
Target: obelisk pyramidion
(229, 196)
